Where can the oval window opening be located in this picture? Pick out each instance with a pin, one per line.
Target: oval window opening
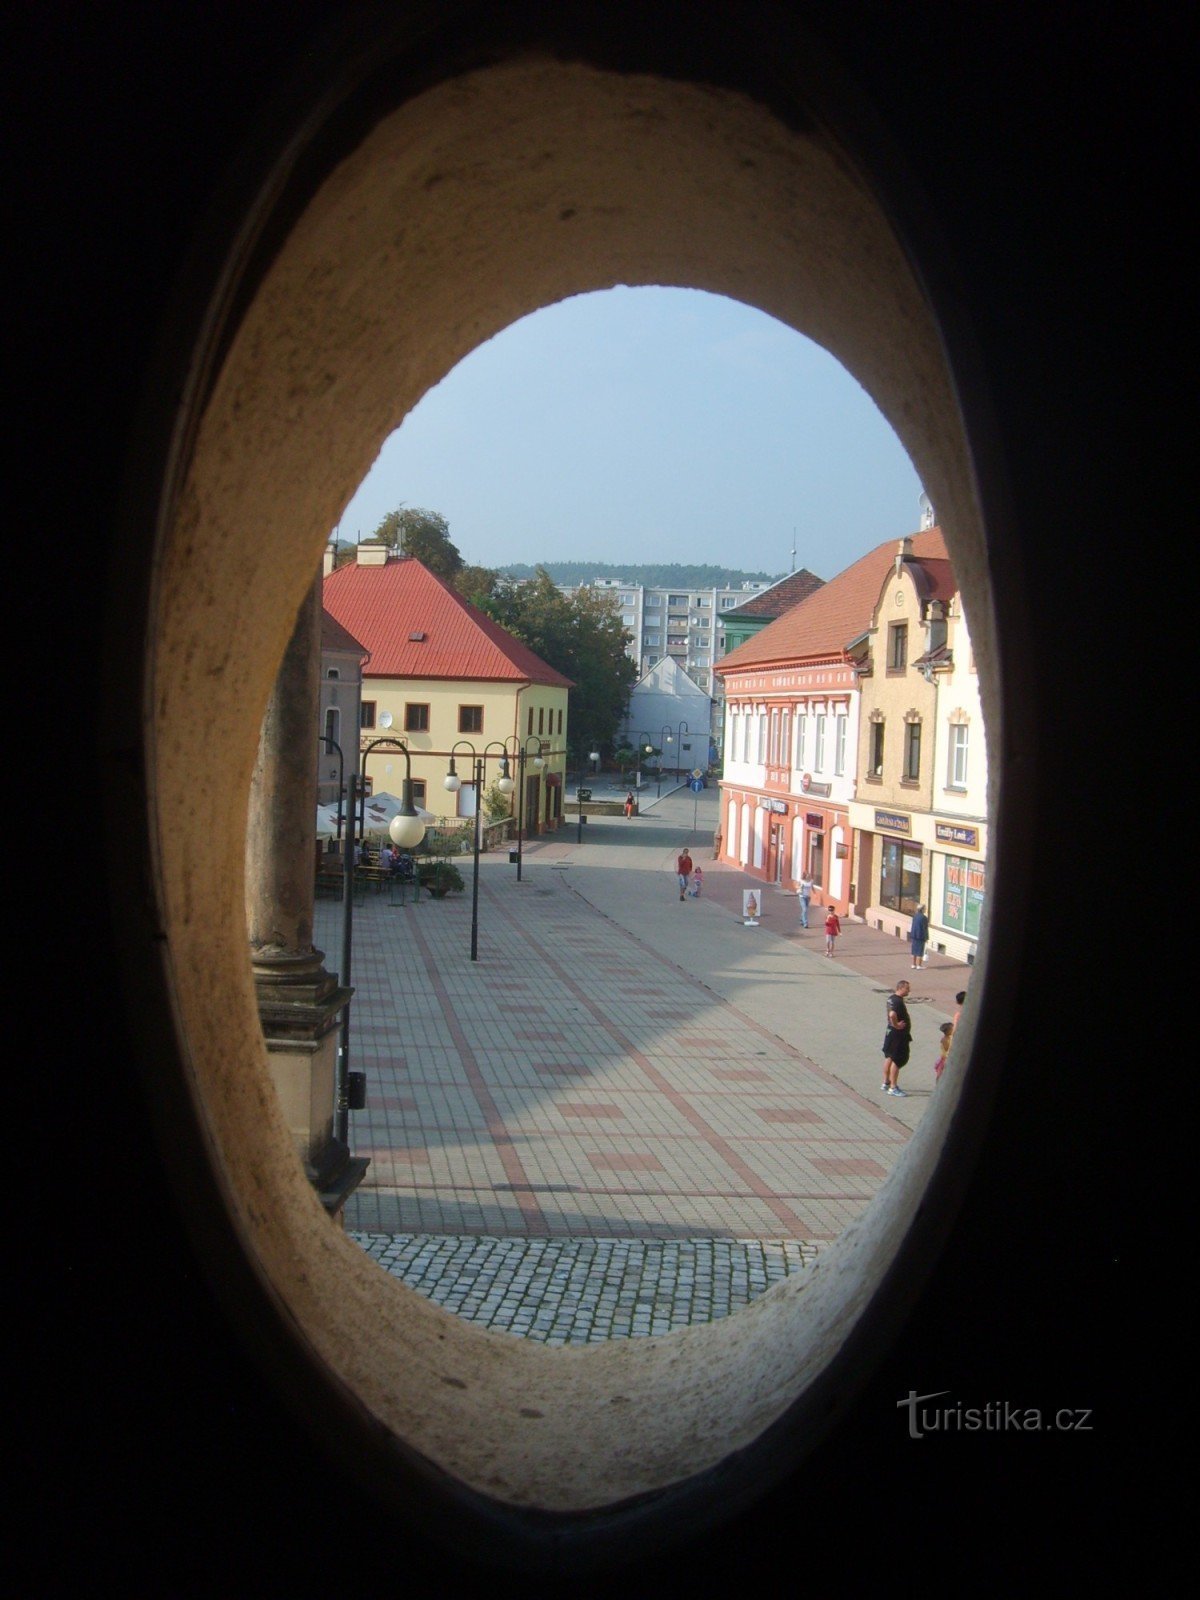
(355, 319)
(530, 1171)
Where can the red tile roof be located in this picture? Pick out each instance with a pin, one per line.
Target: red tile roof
(841, 610)
(780, 597)
(387, 607)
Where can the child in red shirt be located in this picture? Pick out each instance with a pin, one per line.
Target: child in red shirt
(832, 928)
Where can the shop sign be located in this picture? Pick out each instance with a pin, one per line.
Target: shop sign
(952, 833)
(893, 822)
(813, 819)
(822, 790)
(779, 806)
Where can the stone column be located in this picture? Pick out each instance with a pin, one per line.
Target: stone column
(299, 1003)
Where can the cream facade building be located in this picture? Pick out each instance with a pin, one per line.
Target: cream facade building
(446, 681)
(919, 814)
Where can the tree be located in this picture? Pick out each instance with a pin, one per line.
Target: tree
(423, 534)
(583, 637)
(476, 584)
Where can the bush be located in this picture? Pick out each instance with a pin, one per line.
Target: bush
(440, 878)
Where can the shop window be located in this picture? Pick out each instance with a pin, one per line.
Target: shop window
(900, 875)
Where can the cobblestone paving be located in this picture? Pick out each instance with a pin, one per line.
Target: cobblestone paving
(580, 1291)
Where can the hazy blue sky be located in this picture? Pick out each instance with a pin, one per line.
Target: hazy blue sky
(648, 425)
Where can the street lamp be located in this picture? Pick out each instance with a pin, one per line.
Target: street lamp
(645, 745)
(453, 783)
(593, 755)
(407, 830)
(522, 755)
(665, 737)
(679, 733)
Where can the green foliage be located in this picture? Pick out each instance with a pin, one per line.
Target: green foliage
(423, 534)
(440, 877)
(583, 637)
(476, 584)
(496, 805)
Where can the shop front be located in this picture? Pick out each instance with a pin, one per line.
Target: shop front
(906, 860)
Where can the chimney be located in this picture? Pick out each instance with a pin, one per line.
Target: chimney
(904, 551)
(327, 561)
(369, 554)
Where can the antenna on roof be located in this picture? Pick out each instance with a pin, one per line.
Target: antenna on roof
(793, 549)
(926, 505)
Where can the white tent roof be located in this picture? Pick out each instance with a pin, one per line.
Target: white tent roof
(381, 808)
(378, 812)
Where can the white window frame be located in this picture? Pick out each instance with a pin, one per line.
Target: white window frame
(959, 755)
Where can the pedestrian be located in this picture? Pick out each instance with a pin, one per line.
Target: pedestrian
(897, 1040)
(949, 1029)
(918, 935)
(629, 804)
(939, 1065)
(832, 928)
(697, 883)
(806, 889)
(683, 869)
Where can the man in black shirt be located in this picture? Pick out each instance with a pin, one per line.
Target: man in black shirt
(897, 1041)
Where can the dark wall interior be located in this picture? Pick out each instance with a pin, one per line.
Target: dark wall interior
(159, 1461)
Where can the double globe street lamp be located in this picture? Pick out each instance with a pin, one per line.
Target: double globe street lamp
(452, 783)
(521, 754)
(406, 830)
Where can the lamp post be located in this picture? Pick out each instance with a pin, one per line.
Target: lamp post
(453, 783)
(593, 755)
(665, 737)
(679, 733)
(645, 745)
(522, 755)
(407, 830)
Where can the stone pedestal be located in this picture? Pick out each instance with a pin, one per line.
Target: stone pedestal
(299, 1003)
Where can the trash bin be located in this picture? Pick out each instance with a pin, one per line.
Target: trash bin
(512, 856)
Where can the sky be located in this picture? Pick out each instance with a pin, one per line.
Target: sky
(645, 424)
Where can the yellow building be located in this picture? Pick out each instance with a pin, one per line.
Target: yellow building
(919, 812)
(445, 680)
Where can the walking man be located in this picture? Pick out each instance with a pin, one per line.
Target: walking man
(683, 868)
(897, 1041)
(806, 889)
